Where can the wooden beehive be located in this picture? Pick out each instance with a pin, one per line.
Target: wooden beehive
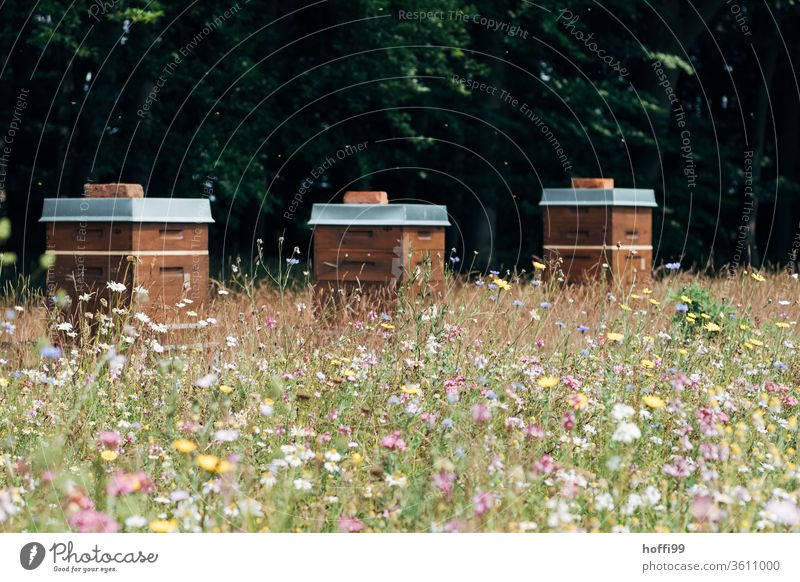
(114, 234)
(599, 230)
(378, 245)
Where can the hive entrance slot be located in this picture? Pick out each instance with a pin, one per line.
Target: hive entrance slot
(171, 233)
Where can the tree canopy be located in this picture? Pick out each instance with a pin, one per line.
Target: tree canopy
(260, 106)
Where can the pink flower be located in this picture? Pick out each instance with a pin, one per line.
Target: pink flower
(783, 511)
(534, 431)
(704, 509)
(350, 524)
(444, 481)
(393, 442)
(568, 420)
(545, 465)
(680, 467)
(271, 322)
(481, 413)
(454, 526)
(77, 499)
(126, 483)
(482, 502)
(109, 439)
(91, 521)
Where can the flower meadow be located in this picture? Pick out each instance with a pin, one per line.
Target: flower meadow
(510, 403)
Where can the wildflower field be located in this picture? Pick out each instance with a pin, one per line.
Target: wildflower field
(512, 403)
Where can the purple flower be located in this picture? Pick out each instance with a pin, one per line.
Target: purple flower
(482, 502)
(292, 261)
(91, 521)
(455, 260)
(681, 308)
(444, 481)
(350, 524)
(545, 305)
(673, 266)
(583, 328)
(481, 413)
(109, 439)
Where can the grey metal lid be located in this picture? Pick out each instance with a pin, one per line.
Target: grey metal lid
(126, 210)
(598, 197)
(379, 215)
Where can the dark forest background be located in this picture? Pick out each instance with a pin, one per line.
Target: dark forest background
(250, 101)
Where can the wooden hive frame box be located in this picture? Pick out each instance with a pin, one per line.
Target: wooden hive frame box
(599, 230)
(115, 234)
(369, 244)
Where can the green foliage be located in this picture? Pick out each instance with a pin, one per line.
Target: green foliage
(701, 310)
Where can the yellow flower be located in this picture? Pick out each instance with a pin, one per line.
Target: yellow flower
(388, 326)
(502, 284)
(648, 364)
(349, 372)
(757, 277)
(184, 446)
(207, 462)
(683, 352)
(225, 388)
(635, 296)
(539, 266)
(647, 291)
(223, 466)
(163, 525)
(3, 383)
(705, 316)
(654, 302)
(755, 342)
(547, 381)
(744, 327)
(711, 326)
(624, 308)
(653, 401)
(109, 456)
(614, 336)
(782, 325)
(686, 299)
(357, 458)
(579, 400)
(412, 389)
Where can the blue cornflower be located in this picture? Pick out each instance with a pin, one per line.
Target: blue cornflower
(293, 261)
(681, 308)
(545, 305)
(672, 266)
(50, 352)
(455, 260)
(583, 328)
(516, 303)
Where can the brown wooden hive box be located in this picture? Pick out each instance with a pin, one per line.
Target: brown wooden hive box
(158, 244)
(378, 245)
(605, 232)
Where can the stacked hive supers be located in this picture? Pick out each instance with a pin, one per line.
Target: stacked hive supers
(369, 243)
(597, 229)
(115, 234)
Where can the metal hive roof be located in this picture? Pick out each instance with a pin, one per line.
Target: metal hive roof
(598, 197)
(379, 215)
(196, 210)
